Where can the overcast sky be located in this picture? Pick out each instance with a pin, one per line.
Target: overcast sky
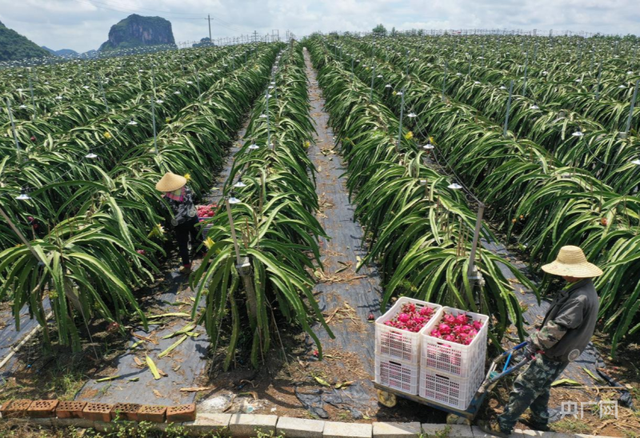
(84, 24)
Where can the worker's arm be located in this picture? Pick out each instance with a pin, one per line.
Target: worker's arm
(548, 336)
(569, 317)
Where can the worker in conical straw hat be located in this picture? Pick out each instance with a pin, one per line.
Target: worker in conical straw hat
(185, 217)
(564, 334)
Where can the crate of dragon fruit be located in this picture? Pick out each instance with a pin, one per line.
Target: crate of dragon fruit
(206, 212)
(397, 336)
(455, 342)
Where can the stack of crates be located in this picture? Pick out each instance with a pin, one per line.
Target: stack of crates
(451, 373)
(398, 351)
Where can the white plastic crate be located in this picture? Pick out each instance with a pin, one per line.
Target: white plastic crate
(450, 357)
(397, 374)
(455, 392)
(399, 344)
(205, 225)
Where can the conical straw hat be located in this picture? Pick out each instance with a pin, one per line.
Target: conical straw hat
(571, 262)
(171, 182)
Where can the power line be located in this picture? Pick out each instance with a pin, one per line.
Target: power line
(223, 25)
(224, 22)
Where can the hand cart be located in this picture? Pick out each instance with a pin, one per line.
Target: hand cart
(388, 396)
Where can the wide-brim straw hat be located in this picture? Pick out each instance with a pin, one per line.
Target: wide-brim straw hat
(571, 262)
(171, 182)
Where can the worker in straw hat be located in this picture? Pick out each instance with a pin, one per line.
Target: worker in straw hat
(565, 332)
(185, 216)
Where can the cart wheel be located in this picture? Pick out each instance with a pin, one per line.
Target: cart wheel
(386, 398)
(457, 419)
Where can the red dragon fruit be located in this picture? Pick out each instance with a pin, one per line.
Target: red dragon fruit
(466, 339)
(461, 319)
(449, 319)
(206, 211)
(410, 318)
(457, 329)
(444, 329)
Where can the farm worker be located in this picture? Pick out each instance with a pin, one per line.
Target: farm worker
(565, 332)
(185, 216)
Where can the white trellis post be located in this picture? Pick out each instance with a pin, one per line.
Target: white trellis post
(506, 117)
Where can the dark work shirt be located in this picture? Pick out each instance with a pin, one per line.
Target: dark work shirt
(183, 211)
(576, 310)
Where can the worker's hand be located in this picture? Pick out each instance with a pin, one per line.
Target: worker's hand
(529, 349)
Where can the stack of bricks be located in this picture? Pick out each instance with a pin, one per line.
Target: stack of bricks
(42, 409)
(15, 408)
(153, 414)
(105, 412)
(70, 409)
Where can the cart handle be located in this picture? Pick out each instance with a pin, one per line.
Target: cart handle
(513, 350)
(488, 381)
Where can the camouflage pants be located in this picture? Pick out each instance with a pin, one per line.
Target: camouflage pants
(531, 389)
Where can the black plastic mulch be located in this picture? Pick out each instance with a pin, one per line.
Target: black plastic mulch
(136, 384)
(354, 399)
(339, 292)
(10, 337)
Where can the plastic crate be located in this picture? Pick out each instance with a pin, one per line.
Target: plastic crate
(397, 374)
(450, 357)
(455, 392)
(399, 344)
(205, 222)
(205, 225)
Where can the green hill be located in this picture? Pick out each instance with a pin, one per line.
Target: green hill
(61, 52)
(14, 46)
(136, 31)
